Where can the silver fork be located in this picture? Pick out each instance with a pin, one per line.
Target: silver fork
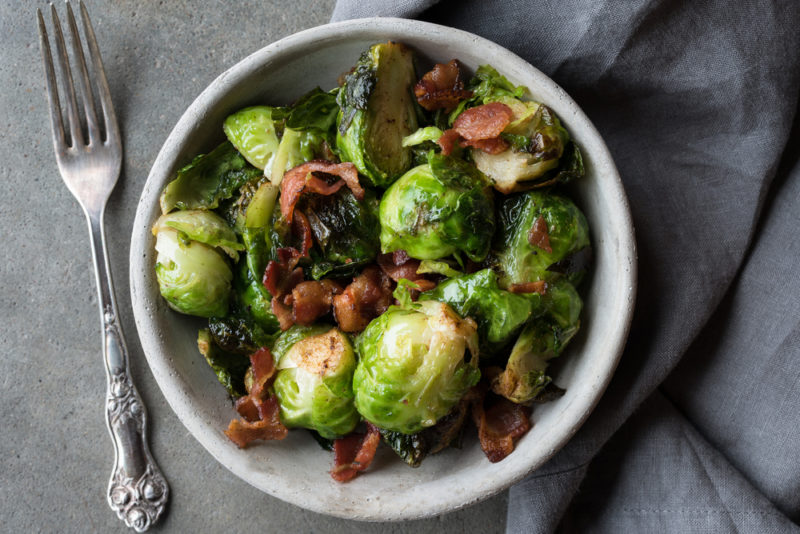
(137, 491)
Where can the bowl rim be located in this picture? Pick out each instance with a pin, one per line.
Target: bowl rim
(153, 347)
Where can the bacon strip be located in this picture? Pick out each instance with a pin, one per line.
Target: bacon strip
(539, 236)
(311, 300)
(354, 453)
(442, 87)
(399, 264)
(302, 179)
(260, 411)
(499, 426)
(540, 286)
(302, 229)
(368, 296)
(483, 122)
(448, 141)
(495, 145)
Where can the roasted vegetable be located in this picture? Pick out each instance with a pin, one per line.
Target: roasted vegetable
(377, 112)
(208, 180)
(203, 226)
(229, 367)
(238, 335)
(193, 277)
(499, 314)
(487, 85)
(438, 209)
(538, 230)
(345, 230)
(314, 381)
(414, 366)
(253, 132)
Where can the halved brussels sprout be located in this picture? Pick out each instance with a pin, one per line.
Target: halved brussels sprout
(541, 340)
(194, 278)
(314, 380)
(252, 132)
(208, 180)
(562, 224)
(435, 210)
(203, 226)
(413, 366)
(377, 112)
(499, 314)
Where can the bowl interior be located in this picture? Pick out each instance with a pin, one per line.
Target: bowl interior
(296, 469)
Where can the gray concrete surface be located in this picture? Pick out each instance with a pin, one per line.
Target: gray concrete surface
(55, 454)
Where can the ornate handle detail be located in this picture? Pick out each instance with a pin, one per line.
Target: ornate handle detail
(137, 491)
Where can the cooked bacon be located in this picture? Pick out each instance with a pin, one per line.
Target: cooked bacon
(242, 432)
(500, 425)
(302, 230)
(259, 410)
(353, 453)
(495, 145)
(539, 236)
(442, 87)
(448, 141)
(311, 300)
(303, 179)
(540, 286)
(483, 122)
(368, 296)
(282, 312)
(282, 275)
(399, 265)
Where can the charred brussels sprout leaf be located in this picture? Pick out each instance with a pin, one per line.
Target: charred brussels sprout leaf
(229, 367)
(414, 366)
(499, 314)
(565, 227)
(438, 209)
(208, 179)
(345, 230)
(377, 112)
(316, 111)
(238, 335)
(314, 381)
(193, 278)
(253, 132)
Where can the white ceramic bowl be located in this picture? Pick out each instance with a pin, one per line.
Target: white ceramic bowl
(296, 469)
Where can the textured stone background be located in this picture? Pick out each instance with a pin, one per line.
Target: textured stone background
(55, 454)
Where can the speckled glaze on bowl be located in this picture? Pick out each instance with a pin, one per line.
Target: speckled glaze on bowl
(296, 469)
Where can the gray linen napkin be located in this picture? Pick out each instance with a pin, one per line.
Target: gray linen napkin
(700, 427)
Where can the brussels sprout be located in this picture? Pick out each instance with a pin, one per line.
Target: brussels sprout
(377, 112)
(252, 132)
(315, 112)
(314, 380)
(202, 226)
(413, 367)
(541, 340)
(435, 210)
(487, 85)
(208, 179)
(194, 278)
(229, 367)
(564, 225)
(499, 314)
(345, 230)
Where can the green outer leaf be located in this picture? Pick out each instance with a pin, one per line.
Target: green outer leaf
(203, 226)
(315, 111)
(208, 179)
(252, 132)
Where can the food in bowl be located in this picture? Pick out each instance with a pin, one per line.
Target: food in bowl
(397, 251)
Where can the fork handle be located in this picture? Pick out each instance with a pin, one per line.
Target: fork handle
(137, 491)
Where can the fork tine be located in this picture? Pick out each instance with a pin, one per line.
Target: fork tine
(76, 135)
(112, 129)
(52, 90)
(83, 75)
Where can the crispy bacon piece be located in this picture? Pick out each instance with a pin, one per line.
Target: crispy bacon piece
(442, 87)
(282, 275)
(259, 410)
(399, 265)
(311, 300)
(243, 432)
(483, 122)
(302, 179)
(368, 296)
(495, 145)
(500, 425)
(539, 236)
(540, 286)
(302, 230)
(353, 453)
(447, 141)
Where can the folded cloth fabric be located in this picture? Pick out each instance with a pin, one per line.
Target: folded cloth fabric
(700, 427)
